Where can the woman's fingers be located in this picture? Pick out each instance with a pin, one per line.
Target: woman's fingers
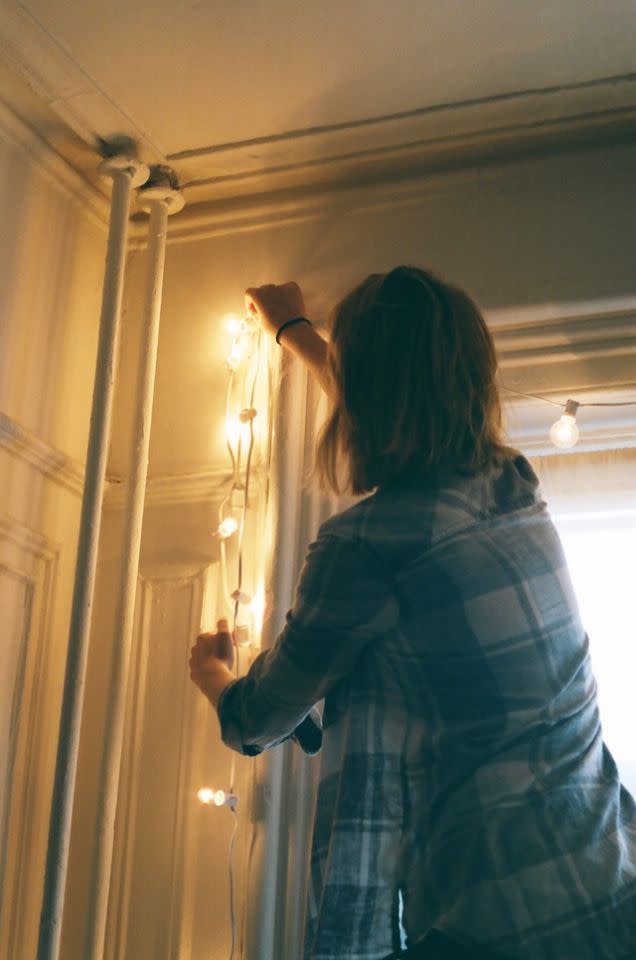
(274, 304)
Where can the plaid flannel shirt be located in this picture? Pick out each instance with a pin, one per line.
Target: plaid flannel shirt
(463, 769)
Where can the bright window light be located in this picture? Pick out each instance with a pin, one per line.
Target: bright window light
(601, 554)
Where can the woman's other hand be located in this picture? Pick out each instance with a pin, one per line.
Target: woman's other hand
(274, 304)
(211, 660)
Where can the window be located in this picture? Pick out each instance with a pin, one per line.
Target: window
(601, 553)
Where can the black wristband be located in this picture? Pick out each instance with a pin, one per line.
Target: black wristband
(290, 323)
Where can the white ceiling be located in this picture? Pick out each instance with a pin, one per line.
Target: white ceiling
(225, 88)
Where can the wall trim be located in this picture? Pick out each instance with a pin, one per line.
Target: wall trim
(51, 462)
(153, 583)
(37, 566)
(196, 487)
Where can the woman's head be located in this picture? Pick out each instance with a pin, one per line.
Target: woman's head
(413, 367)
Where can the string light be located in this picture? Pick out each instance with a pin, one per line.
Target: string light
(564, 432)
(218, 798)
(239, 437)
(227, 527)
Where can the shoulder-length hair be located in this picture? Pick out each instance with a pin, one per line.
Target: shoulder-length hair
(413, 367)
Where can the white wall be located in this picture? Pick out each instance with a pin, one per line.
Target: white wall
(51, 256)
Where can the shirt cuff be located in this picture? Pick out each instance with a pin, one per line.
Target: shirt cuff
(308, 733)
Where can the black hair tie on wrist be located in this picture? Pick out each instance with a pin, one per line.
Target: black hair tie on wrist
(290, 323)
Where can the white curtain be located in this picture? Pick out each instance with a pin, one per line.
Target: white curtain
(285, 779)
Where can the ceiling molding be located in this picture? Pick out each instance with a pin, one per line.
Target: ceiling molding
(264, 210)
(296, 169)
(438, 135)
(59, 80)
(54, 167)
(565, 336)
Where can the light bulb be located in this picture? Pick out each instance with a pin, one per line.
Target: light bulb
(234, 357)
(227, 527)
(564, 433)
(217, 798)
(234, 430)
(234, 324)
(244, 598)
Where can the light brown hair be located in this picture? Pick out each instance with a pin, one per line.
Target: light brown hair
(413, 368)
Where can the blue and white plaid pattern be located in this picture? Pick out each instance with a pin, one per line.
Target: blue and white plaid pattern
(463, 766)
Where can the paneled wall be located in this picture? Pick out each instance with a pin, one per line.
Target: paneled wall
(52, 244)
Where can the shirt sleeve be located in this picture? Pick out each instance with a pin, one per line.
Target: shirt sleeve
(344, 599)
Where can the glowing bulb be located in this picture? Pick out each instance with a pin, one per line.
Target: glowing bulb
(217, 798)
(234, 324)
(234, 357)
(227, 527)
(244, 598)
(206, 795)
(564, 433)
(233, 430)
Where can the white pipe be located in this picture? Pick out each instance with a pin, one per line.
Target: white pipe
(159, 201)
(126, 173)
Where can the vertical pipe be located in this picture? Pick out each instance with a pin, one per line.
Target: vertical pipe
(126, 173)
(160, 201)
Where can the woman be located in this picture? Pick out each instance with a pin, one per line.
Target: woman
(466, 795)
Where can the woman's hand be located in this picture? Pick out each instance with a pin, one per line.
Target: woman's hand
(211, 660)
(274, 304)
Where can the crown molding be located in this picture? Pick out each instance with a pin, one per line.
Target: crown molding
(431, 136)
(230, 187)
(57, 170)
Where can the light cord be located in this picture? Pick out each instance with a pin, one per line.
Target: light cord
(557, 403)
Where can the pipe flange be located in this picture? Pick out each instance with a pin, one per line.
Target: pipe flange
(137, 171)
(173, 199)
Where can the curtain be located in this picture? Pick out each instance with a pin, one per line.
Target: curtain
(285, 780)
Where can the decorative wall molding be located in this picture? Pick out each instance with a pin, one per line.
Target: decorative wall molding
(57, 170)
(157, 593)
(210, 484)
(207, 485)
(47, 459)
(30, 557)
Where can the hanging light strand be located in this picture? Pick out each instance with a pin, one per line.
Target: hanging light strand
(564, 432)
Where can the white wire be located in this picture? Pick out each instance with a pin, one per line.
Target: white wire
(559, 403)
